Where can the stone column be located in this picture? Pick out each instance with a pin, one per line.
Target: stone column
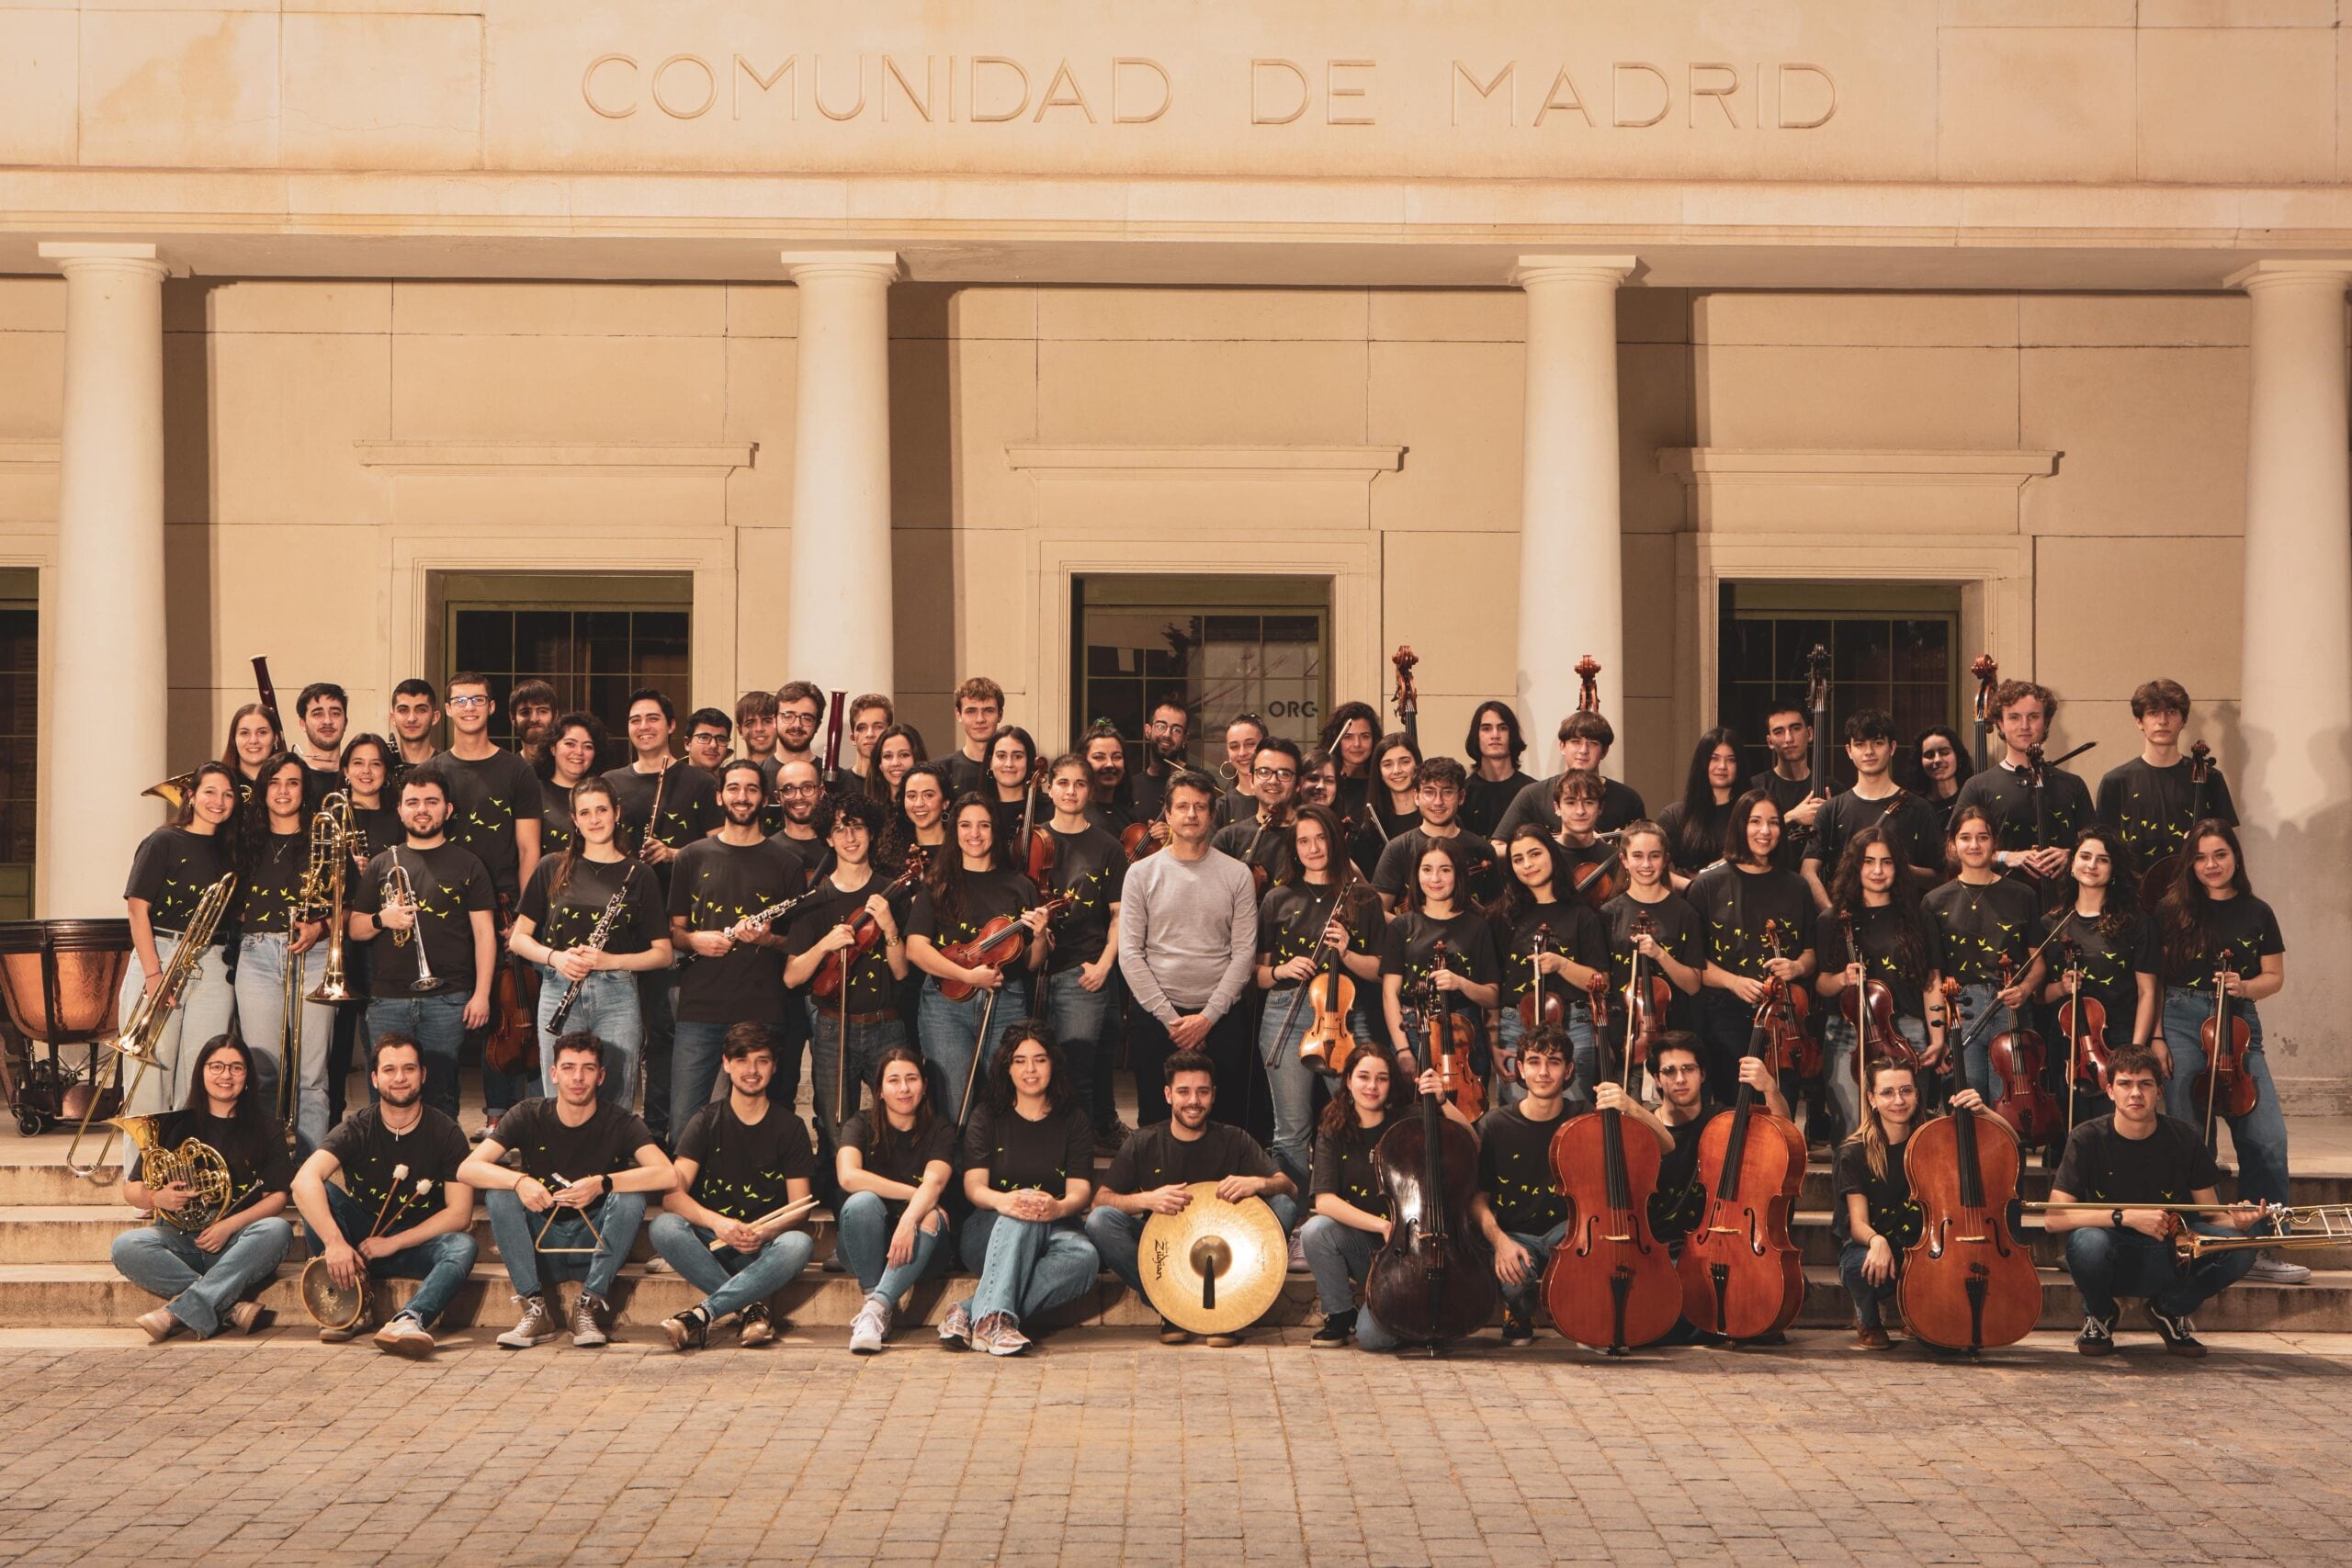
(2296, 711)
(839, 627)
(107, 685)
(1568, 530)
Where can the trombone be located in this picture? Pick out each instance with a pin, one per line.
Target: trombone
(2310, 1225)
(399, 889)
(321, 888)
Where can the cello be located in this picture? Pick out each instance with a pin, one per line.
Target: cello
(1966, 1284)
(2226, 1087)
(1741, 1274)
(2083, 1020)
(1610, 1284)
(2018, 1057)
(1433, 1279)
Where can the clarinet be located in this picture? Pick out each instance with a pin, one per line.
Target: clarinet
(597, 938)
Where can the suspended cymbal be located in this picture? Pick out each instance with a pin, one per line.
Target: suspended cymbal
(1216, 1267)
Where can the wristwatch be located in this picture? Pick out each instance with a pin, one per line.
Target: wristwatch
(2115, 1218)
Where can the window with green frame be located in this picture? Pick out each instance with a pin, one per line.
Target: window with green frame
(595, 636)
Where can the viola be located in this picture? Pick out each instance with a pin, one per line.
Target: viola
(1780, 1016)
(1449, 1035)
(2227, 1087)
(864, 932)
(999, 943)
(1546, 1000)
(2083, 1020)
(1741, 1274)
(2018, 1057)
(1646, 1004)
(1611, 1283)
(1329, 1046)
(1433, 1279)
(1868, 1008)
(1967, 1283)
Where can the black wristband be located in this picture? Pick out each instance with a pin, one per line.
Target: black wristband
(2115, 1216)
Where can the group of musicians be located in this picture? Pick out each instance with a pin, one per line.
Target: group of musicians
(955, 951)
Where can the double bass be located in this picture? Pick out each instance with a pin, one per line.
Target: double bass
(1816, 668)
(1409, 698)
(2018, 1057)
(1988, 678)
(1433, 1279)
(1611, 1282)
(1967, 1283)
(1741, 1274)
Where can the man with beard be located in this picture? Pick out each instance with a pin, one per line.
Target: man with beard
(399, 1158)
(1261, 840)
(530, 710)
(323, 710)
(717, 884)
(416, 709)
(1163, 759)
(1187, 946)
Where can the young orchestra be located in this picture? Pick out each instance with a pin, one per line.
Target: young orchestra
(975, 947)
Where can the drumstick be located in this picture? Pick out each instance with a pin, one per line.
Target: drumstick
(789, 1212)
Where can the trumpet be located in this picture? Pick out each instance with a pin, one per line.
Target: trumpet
(399, 889)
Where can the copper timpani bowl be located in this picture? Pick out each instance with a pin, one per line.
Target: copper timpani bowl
(60, 978)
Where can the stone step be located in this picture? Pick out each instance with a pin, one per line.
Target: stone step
(29, 1180)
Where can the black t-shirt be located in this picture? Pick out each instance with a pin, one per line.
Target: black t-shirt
(171, 870)
(555, 820)
(1092, 869)
(1388, 822)
(1679, 932)
(1343, 1166)
(1267, 848)
(1484, 801)
(1019, 1153)
(2111, 952)
(2170, 1166)
(1736, 904)
(1619, 803)
(1678, 1204)
(1573, 930)
(2150, 808)
(1155, 1156)
(1292, 916)
(272, 880)
(742, 1166)
(450, 886)
(368, 1150)
(380, 828)
(714, 885)
(1408, 948)
(987, 894)
(1788, 794)
(253, 1174)
(1892, 1212)
(965, 776)
(690, 809)
(2237, 934)
(1918, 831)
(871, 987)
(590, 886)
(1878, 931)
(2002, 791)
(485, 797)
(1695, 840)
(603, 1145)
(1979, 924)
(1235, 805)
(907, 1156)
(1403, 854)
(1515, 1169)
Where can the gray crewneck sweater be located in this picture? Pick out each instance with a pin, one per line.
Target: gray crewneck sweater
(1188, 934)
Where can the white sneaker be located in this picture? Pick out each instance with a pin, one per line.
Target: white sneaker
(956, 1328)
(869, 1328)
(2274, 1269)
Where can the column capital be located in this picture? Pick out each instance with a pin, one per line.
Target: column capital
(73, 256)
(2313, 270)
(1611, 270)
(882, 264)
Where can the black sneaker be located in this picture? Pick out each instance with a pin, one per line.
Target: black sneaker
(2098, 1337)
(1517, 1330)
(2179, 1334)
(1338, 1328)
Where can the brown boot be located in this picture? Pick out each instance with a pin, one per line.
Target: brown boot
(1871, 1338)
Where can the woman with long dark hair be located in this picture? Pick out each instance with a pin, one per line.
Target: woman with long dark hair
(1394, 788)
(173, 867)
(965, 886)
(577, 748)
(1982, 917)
(272, 852)
(1940, 766)
(1350, 1201)
(1539, 901)
(1348, 738)
(1696, 824)
(254, 737)
(1437, 909)
(894, 1164)
(2108, 949)
(1894, 943)
(1745, 902)
(1011, 788)
(1028, 1174)
(1320, 903)
(205, 1279)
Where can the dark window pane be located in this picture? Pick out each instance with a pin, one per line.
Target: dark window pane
(1862, 651)
(1923, 651)
(661, 635)
(543, 639)
(485, 641)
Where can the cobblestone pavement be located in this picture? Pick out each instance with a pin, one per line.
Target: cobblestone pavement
(1106, 1448)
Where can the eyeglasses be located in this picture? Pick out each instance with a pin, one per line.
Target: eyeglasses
(801, 789)
(1276, 774)
(469, 702)
(1674, 1072)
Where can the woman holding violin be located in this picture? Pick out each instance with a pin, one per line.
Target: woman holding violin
(2105, 954)
(1893, 945)
(1392, 791)
(1745, 902)
(1554, 948)
(1694, 826)
(2220, 953)
(1321, 919)
(1435, 911)
(1650, 919)
(969, 893)
(1985, 920)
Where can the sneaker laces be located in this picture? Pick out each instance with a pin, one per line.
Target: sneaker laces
(2097, 1329)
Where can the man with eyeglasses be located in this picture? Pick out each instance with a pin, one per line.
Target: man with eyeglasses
(1163, 758)
(1263, 840)
(1438, 790)
(495, 810)
(708, 735)
(799, 795)
(799, 708)
(1683, 1111)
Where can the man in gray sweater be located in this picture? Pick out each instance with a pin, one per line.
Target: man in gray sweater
(1188, 940)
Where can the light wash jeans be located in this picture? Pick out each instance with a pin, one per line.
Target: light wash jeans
(1838, 1057)
(866, 1222)
(606, 1008)
(261, 1020)
(1976, 1062)
(441, 1262)
(438, 1024)
(203, 1286)
(616, 1214)
(206, 1007)
(950, 1032)
(1118, 1238)
(730, 1279)
(1584, 1057)
(2259, 1136)
(1026, 1266)
(1337, 1256)
(1289, 1081)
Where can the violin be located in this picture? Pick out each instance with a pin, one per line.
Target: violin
(1449, 1033)
(1433, 1279)
(1790, 1046)
(2018, 1057)
(2227, 1087)
(1645, 1003)
(1603, 879)
(998, 944)
(1610, 1284)
(1137, 841)
(1870, 1008)
(1988, 677)
(1329, 1046)
(1742, 1277)
(1036, 842)
(864, 930)
(2163, 869)
(1967, 1283)
(2083, 1020)
(1546, 1000)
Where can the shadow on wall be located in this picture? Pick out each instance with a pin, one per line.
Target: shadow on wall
(2291, 860)
(189, 558)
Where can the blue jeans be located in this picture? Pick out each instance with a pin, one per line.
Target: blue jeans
(438, 1023)
(2260, 1136)
(729, 1279)
(695, 1053)
(1289, 1081)
(1522, 1300)
(1976, 1062)
(1839, 1042)
(442, 1262)
(866, 1221)
(1866, 1298)
(656, 1011)
(607, 1008)
(203, 1286)
(616, 1214)
(1337, 1256)
(2108, 1263)
(1081, 1022)
(1118, 1238)
(951, 1038)
(1585, 1058)
(206, 1005)
(1025, 1266)
(866, 1043)
(261, 1021)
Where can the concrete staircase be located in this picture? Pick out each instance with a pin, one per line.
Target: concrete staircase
(55, 1230)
